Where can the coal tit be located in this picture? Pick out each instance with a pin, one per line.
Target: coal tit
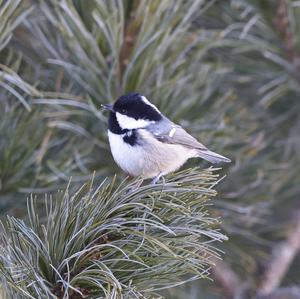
(145, 143)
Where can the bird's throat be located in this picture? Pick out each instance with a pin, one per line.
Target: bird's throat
(114, 126)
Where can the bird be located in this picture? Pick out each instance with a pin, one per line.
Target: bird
(145, 143)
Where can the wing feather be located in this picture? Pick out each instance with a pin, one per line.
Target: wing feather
(168, 132)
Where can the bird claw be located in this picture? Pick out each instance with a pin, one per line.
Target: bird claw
(157, 178)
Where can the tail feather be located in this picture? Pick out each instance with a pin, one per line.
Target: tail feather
(212, 156)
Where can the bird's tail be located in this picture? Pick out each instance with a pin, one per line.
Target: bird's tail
(212, 156)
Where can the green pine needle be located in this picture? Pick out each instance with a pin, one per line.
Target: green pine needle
(107, 240)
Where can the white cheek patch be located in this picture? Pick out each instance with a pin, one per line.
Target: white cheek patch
(130, 123)
(144, 99)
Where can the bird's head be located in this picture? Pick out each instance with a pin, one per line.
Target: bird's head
(134, 111)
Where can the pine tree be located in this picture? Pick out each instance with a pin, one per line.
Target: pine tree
(106, 239)
(228, 71)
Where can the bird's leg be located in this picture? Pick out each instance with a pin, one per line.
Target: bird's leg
(157, 178)
(136, 185)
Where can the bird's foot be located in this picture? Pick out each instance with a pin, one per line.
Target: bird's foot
(157, 178)
(136, 185)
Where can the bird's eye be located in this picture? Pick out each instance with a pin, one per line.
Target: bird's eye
(123, 111)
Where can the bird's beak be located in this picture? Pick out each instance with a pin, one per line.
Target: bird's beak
(108, 107)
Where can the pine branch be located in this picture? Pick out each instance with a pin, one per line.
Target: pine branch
(113, 240)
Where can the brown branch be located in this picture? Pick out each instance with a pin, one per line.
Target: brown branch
(282, 25)
(227, 279)
(132, 28)
(282, 257)
(281, 22)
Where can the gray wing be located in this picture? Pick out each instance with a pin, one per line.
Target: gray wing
(168, 132)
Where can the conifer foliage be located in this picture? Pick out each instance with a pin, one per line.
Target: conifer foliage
(227, 71)
(113, 241)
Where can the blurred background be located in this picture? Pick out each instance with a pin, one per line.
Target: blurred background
(227, 71)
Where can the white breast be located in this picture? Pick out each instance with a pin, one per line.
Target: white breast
(149, 159)
(129, 158)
